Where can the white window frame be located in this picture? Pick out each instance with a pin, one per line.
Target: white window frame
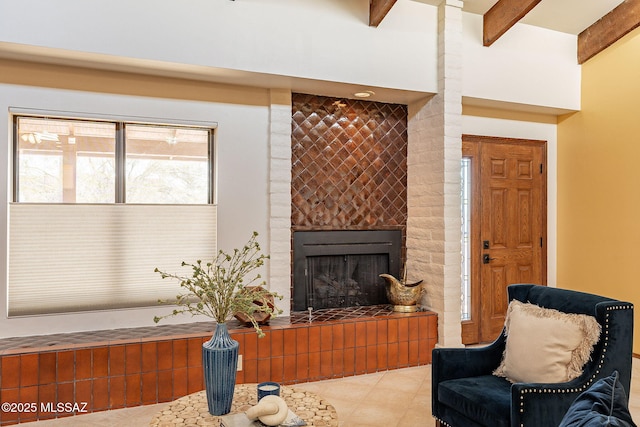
(120, 122)
(68, 258)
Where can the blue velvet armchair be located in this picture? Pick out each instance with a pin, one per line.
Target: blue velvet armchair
(466, 394)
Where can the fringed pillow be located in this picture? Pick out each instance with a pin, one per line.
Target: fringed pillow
(545, 345)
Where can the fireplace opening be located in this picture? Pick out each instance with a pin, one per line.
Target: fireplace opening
(338, 269)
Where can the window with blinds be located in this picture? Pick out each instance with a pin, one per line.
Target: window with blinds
(98, 205)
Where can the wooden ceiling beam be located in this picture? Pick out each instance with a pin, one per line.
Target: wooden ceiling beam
(608, 29)
(502, 16)
(378, 9)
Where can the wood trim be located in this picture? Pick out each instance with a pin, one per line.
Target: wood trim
(470, 330)
(378, 9)
(608, 29)
(502, 16)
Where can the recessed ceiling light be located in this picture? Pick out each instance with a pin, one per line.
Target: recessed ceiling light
(364, 94)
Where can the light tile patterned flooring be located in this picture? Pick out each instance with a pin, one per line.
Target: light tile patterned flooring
(397, 398)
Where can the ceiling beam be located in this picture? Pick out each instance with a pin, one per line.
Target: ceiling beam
(502, 16)
(378, 9)
(608, 29)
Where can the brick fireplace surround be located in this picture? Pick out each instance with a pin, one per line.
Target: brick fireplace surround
(349, 172)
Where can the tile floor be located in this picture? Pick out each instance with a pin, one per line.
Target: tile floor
(397, 398)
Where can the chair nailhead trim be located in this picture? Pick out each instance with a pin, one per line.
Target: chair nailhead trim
(583, 387)
(442, 422)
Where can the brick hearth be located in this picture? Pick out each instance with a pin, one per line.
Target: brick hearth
(132, 367)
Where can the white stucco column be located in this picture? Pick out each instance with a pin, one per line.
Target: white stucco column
(434, 154)
(279, 275)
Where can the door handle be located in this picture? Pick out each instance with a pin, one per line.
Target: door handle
(486, 259)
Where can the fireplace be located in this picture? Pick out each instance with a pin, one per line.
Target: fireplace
(335, 269)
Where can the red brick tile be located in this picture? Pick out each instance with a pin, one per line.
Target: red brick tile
(277, 343)
(117, 393)
(83, 364)
(414, 329)
(382, 331)
(194, 352)
(392, 330)
(349, 335)
(101, 394)
(65, 392)
(10, 372)
(337, 364)
(423, 328)
(413, 353)
(424, 351)
(300, 370)
(132, 359)
(66, 366)
(165, 355)
(264, 346)
(403, 354)
(381, 354)
(29, 397)
(116, 360)
(100, 356)
(372, 358)
(403, 329)
(195, 379)
(360, 360)
(250, 346)
(264, 370)
(392, 355)
(149, 357)
(337, 336)
(306, 339)
(133, 390)
(149, 387)
(46, 401)
(348, 356)
(326, 337)
(10, 396)
(361, 334)
(180, 383)
(277, 369)
(250, 367)
(47, 368)
(83, 394)
(326, 364)
(433, 327)
(290, 370)
(314, 366)
(290, 344)
(28, 370)
(240, 377)
(165, 386)
(179, 354)
(372, 333)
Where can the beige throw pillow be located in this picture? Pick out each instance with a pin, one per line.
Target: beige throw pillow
(545, 345)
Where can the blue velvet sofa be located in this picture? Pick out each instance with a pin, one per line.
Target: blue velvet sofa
(465, 393)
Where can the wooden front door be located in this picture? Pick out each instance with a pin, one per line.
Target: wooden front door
(508, 227)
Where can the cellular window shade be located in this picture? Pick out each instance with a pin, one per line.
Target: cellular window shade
(70, 257)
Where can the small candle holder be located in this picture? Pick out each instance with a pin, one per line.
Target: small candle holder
(267, 388)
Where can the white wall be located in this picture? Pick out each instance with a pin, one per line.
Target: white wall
(473, 125)
(527, 65)
(242, 178)
(320, 39)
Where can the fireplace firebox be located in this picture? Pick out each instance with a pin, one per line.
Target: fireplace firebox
(335, 269)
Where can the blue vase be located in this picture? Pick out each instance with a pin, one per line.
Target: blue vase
(219, 363)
